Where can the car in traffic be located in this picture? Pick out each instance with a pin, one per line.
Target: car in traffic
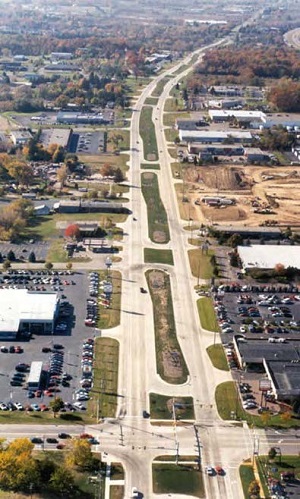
(209, 470)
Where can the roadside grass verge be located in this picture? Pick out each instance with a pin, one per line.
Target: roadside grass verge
(151, 101)
(207, 314)
(170, 362)
(110, 317)
(228, 401)
(158, 228)
(116, 492)
(95, 162)
(104, 394)
(170, 134)
(147, 166)
(217, 356)
(246, 476)
(44, 418)
(160, 86)
(123, 142)
(169, 119)
(171, 105)
(200, 263)
(147, 132)
(177, 479)
(158, 256)
(161, 407)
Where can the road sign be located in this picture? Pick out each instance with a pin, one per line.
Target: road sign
(264, 385)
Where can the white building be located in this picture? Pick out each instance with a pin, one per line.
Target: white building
(221, 115)
(27, 311)
(267, 256)
(210, 137)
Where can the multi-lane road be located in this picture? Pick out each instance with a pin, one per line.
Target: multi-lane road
(129, 437)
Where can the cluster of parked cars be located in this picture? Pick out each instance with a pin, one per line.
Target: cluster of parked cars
(11, 349)
(256, 288)
(224, 320)
(93, 283)
(230, 355)
(19, 377)
(34, 280)
(91, 312)
(248, 399)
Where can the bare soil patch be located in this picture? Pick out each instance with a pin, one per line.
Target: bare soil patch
(159, 236)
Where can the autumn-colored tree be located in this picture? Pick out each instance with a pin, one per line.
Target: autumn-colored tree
(73, 231)
(48, 265)
(56, 405)
(62, 482)
(279, 269)
(69, 266)
(254, 489)
(107, 170)
(62, 175)
(118, 176)
(21, 172)
(79, 453)
(18, 467)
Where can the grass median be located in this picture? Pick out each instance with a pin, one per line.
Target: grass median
(161, 407)
(147, 132)
(217, 356)
(158, 256)
(170, 362)
(110, 317)
(246, 476)
(200, 263)
(207, 314)
(159, 87)
(158, 228)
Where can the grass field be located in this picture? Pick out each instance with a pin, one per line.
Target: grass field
(170, 134)
(217, 356)
(104, 394)
(200, 263)
(247, 476)
(110, 317)
(122, 144)
(116, 492)
(96, 161)
(207, 314)
(177, 479)
(158, 256)
(147, 132)
(149, 166)
(228, 400)
(161, 407)
(159, 87)
(158, 228)
(169, 119)
(166, 342)
(151, 101)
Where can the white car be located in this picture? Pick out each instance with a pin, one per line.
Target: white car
(243, 329)
(134, 492)
(19, 406)
(209, 470)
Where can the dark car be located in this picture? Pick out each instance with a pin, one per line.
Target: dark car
(64, 435)
(46, 349)
(143, 290)
(57, 346)
(51, 440)
(146, 415)
(37, 440)
(15, 382)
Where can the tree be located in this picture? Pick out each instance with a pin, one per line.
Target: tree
(21, 172)
(6, 265)
(56, 405)
(107, 170)
(48, 265)
(272, 453)
(18, 467)
(254, 489)
(11, 256)
(73, 232)
(80, 454)
(118, 176)
(69, 266)
(31, 257)
(62, 482)
(235, 240)
(62, 175)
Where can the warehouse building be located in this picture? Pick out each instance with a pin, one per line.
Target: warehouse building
(266, 256)
(210, 136)
(24, 311)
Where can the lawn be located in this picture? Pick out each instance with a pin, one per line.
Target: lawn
(147, 132)
(170, 362)
(228, 401)
(171, 134)
(104, 394)
(217, 356)
(158, 229)
(200, 263)
(247, 476)
(169, 119)
(158, 256)
(177, 479)
(116, 492)
(161, 407)
(207, 314)
(96, 161)
(149, 166)
(110, 317)
(57, 252)
(122, 144)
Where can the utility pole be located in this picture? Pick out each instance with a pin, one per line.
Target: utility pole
(175, 432)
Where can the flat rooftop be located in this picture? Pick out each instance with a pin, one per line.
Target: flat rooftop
(254, 351)
(286, 376)
(267, 256)
(18, 305)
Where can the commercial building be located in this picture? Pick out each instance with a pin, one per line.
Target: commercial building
(209, 137)
(221, 115)
(86, 206)
(279, 359)
(24, 311)
(59, 136)
(20, 137)
(81, 118)
(251, 232)
(256, 155)
(266, 256)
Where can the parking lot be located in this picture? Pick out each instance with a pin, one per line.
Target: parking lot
(257, 310)
(68, 338)
(88, 142)
(22, 251)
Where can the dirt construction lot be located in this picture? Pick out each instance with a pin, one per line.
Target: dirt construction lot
(261, 194)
